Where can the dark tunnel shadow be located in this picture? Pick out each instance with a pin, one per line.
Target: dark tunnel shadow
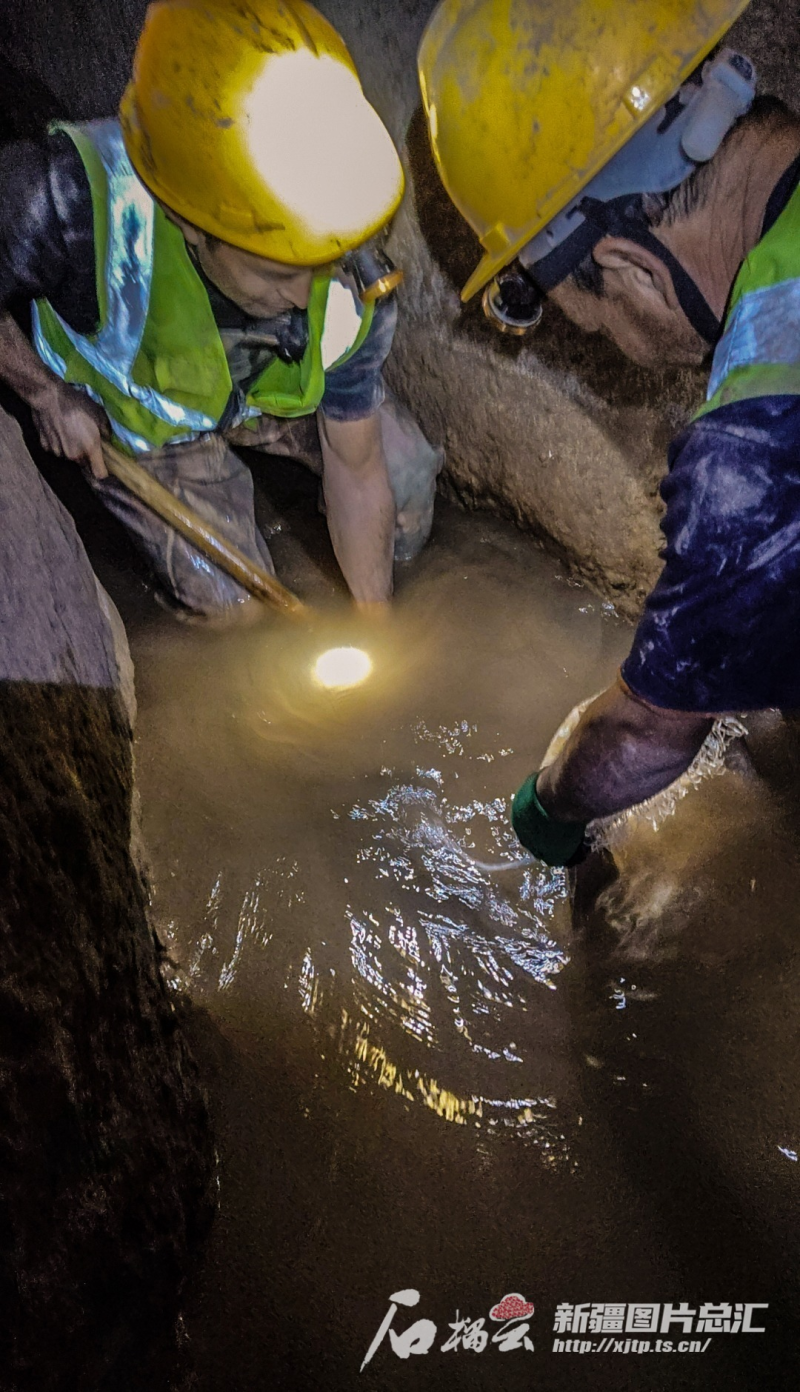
(106, 1159)
(27, 106)
(597, 363)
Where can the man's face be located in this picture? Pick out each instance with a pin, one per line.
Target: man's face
(638, 309)
(260, 287)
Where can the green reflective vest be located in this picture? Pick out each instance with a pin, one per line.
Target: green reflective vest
(759, 352)
(157, 363)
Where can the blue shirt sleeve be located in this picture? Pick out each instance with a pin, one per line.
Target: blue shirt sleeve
(721, 629)
(355, 389)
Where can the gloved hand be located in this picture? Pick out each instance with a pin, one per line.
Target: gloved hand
(556, 843)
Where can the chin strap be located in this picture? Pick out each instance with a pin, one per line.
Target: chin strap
(623, 217)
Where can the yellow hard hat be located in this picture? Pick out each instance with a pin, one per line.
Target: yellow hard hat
(528, 99)
(248, 119)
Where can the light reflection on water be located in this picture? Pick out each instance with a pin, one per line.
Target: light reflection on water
(533, 1119)
(434, 960)
(477, 939)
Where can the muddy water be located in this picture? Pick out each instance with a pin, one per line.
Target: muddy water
(429, 1076)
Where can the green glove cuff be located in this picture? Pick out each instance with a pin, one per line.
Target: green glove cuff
(553, 842)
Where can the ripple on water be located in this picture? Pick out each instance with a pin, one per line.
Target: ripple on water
(440, 961)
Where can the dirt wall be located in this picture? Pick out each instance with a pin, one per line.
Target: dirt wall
(106, 1164)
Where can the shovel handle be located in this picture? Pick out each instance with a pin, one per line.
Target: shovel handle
(202, 535)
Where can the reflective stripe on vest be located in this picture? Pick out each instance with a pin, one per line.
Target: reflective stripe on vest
(128, 276)
(127, 279)
(759, 352)
(763, 329)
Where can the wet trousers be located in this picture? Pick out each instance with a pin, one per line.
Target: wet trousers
(208, 475)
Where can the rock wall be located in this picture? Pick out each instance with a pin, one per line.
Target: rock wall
(558, 432)
(106, 1164)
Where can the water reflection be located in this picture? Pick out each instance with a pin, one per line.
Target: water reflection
(534, 1119)
(431, 953)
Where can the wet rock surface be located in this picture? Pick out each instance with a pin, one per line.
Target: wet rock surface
(105, 1156)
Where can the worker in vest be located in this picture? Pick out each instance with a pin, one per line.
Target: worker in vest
(613, 159)
(197, 273)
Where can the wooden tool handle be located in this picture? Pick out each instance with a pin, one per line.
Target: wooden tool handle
(205, 538)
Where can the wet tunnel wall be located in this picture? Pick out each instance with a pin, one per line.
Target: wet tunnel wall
(105, 1154)
(558, 432)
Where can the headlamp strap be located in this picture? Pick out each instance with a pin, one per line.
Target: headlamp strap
(624, 217)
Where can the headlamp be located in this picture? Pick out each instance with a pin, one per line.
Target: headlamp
(513, 301)
(374, 274)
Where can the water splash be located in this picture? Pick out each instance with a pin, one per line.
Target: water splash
(709, 762)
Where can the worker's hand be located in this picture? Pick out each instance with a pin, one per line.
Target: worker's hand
(556, 843)
(71, 424)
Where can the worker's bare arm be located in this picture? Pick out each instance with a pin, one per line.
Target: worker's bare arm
(360, 506)
(622, 752)
(68, 422)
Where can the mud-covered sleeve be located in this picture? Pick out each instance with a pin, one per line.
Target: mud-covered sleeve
(46, 228)
(355, 389)
(721, 629)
